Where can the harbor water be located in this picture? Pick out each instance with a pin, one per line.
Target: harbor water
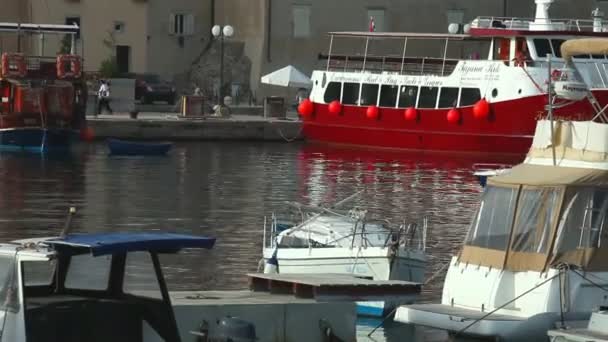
(224, 189)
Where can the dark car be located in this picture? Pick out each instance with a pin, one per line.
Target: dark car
(150, 88)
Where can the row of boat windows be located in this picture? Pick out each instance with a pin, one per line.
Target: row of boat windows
(400, 96)
(545, 46)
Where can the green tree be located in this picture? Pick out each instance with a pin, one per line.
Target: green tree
(108, 67)
(66, 45)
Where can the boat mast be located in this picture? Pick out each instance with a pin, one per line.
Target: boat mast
(550, 104)
(331, 44)
(403, 56)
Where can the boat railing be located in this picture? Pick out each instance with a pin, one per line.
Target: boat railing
(516, 23)
(407, 235)
(392, 64)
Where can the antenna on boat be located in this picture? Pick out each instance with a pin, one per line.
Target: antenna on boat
(68, 222)
(550, 104)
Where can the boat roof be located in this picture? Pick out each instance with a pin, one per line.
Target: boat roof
(393, 35)
(99, 244)
(39, 28)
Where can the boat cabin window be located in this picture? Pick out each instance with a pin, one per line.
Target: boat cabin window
(332, 92)
(502, 49)
(536, 214)
(369, 95)
(38, 273)
(448, 97)
(79, 275)
(9, 287)
(407, 97)
(140, 276)
(542, 47)
(557, 47)
(350, 94)
(469, 96)
(388, 95)
(492, 224)
(584, 219)
(428, 97)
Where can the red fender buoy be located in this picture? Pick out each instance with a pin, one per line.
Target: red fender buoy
(372, 112)
(453, 116)
(481, 109)
(335, 107)
(306, 108)
(410, 114)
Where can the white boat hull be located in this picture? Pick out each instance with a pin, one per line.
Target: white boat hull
(372, 263)
(524, 304)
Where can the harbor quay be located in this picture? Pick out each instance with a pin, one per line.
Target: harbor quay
(171, 126)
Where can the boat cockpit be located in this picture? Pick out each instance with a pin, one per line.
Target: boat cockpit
(95, 287)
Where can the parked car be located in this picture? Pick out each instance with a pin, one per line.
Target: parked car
(150, 88)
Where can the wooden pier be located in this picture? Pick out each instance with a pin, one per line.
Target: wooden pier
(333, 287)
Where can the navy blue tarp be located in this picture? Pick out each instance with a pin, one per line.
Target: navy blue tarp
(112, 243)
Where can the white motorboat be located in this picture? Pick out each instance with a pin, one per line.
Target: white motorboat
(334, 242)
(595, 331)
(536, 250)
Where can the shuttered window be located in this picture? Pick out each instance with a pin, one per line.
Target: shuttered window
(181, 24)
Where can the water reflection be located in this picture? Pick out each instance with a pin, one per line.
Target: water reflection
(225, 189)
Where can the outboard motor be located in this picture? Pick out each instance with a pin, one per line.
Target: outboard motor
(232, 329)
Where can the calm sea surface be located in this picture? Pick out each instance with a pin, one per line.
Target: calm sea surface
(225, 189)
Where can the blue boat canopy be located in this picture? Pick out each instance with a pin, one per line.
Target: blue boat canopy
(113, 243)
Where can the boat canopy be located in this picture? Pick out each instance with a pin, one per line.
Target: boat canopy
(585, 46)
(540, 216)
(112, 243)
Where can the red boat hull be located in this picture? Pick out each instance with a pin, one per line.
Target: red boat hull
(508, 129)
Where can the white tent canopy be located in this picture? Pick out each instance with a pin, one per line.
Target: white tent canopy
(288, 76)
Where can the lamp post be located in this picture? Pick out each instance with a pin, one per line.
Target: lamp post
(220, 33)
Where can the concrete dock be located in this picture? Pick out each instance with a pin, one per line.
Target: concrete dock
(277, 318)
(173, 127)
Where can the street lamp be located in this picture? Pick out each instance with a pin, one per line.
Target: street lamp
(219, 33)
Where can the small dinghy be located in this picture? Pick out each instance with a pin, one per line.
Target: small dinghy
(133, 148)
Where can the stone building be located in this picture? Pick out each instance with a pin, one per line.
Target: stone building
(173, 38)
(144, 35)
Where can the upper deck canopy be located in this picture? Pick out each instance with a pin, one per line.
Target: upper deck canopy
(393, 35)
(111, 243)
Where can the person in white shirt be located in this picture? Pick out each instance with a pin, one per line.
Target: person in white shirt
(103, 97)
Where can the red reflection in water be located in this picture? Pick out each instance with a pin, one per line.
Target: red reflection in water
(325, 166)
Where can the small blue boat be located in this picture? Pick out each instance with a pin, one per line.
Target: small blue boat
(133, 148)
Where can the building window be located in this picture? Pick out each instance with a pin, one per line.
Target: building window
(455, 16)
(181, 24)
(119, 26)
(301, 21)
(376, 20)
(74, 21)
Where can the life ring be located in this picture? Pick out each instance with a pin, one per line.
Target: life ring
(14, 65)
(68, 66)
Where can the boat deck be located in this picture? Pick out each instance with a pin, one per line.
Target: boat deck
(332, 287)
(583, 335)
(462, 313)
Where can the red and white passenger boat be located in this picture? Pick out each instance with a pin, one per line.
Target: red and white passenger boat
(489, 102)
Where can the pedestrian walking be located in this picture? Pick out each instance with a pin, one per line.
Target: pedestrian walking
(103, 97)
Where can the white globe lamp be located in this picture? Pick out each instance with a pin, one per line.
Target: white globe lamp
(216, 30)
(228, 31)
(453, 28)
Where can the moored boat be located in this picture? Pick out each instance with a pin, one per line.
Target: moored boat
(488, 102)
(43, 98)
(333, 241)
(534, 256)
